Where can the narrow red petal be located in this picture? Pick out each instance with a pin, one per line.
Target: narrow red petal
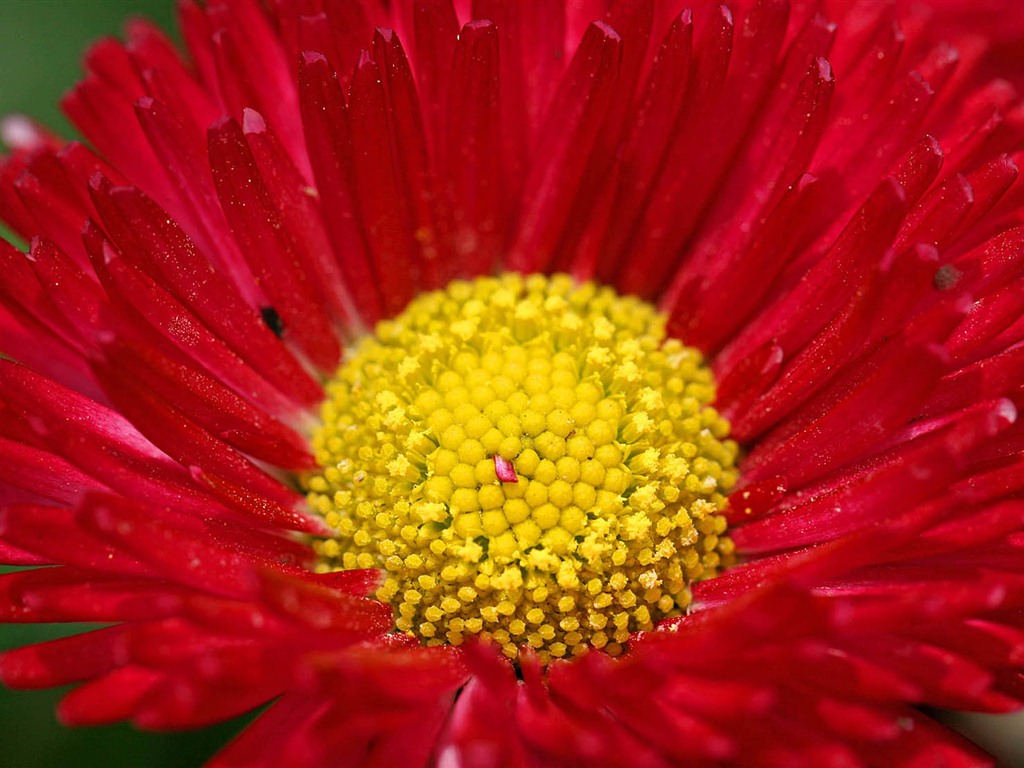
(203, 454)
(301, 217)
(44, 531)
(268, 250)
(321, 608)
(96, 439)
(415, 178)
(153, 242)
(259, 58)
(828, 285)
(328, 138)
(651, 133)
(865, 409)
(472, 147)
(565, 143)
(184, 154)
(59, 662)
(183, 555)
(108, 699)
(44, 474)
(222, 412)
(870, 489)
(165, 322)
(383, 206)
(70, 594)
(636, 247)
(632, 23)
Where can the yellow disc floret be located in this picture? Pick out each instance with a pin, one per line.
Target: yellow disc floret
(526, 459)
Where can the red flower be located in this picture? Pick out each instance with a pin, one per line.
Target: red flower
(821, 197)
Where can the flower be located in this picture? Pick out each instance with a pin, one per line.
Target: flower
(821, 200)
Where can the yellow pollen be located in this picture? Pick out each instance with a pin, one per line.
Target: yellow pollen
(527, 459)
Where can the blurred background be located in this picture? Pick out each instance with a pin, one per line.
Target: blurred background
(42, 42)
(41, 45)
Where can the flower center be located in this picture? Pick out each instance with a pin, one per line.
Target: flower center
(526, 459)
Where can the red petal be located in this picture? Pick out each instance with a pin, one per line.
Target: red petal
(938, 215)
(280, 737)
(169, 325)
(70, 594)
(568, 137)
(72, 289)
(710, 311)
(45, 531)
(632, 22)
(43, 473)
(435, 38)
(212, 687)
(184, 155)
(983, 380)
(894, 289)
(384, 209)
(222, 412)
(182, 554)
(651, 132)
(63, 661)
(861, 494)
(637, 247)
(54, 202)
(328, 138)
(414, 177)
(827, 286)
(791, 130)
(150, 240)
(864, 410)
(152, 52)
(205, 455)
(11, 555)
(96, 439)
(261, 61)
(28, 301)
(108, 699)
(268, 249)
(302, 218)
(472, 150)
(321, 608)
(361, 582)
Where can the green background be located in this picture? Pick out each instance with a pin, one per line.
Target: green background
(41, 44)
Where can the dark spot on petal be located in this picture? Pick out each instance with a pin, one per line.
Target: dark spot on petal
(273, 320)
(946, 277)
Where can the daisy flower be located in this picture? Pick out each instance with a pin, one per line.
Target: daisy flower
(525, 384)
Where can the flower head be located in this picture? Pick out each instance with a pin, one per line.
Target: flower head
(525, 384)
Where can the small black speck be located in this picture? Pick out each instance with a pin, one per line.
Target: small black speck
(273, 320)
